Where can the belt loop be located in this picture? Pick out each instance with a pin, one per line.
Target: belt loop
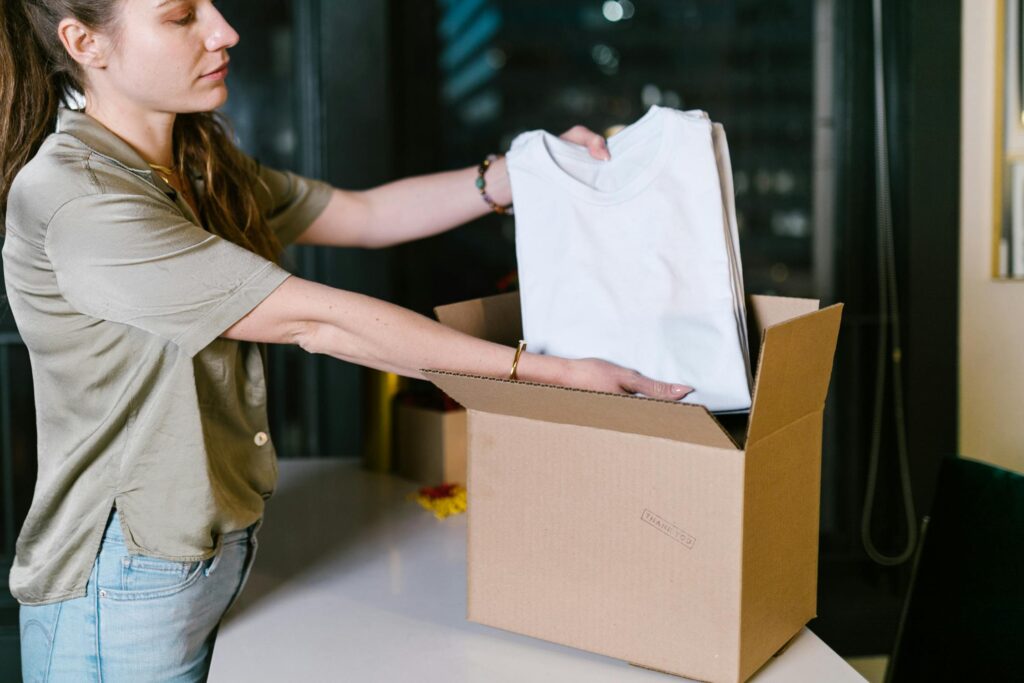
(215, 560)
(253, 529)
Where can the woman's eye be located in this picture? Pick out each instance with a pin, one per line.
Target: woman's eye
(185, 20)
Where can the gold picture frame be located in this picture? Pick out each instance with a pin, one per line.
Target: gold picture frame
(1008, 185)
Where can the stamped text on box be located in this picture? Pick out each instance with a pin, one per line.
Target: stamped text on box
(670, 530)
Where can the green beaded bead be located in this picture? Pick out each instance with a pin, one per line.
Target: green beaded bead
(481, 183)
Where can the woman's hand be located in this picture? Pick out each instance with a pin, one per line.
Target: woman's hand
(596, 375)
(498, 185)
(594, 142)
(599, 375)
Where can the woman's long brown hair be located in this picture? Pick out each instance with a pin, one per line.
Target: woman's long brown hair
(37, 75)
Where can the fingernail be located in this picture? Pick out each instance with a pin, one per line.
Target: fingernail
(679, 389)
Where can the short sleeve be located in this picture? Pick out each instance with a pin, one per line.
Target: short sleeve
(136, 260)
(294, 202)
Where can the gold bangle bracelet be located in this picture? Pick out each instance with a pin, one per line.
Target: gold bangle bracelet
(515, 363)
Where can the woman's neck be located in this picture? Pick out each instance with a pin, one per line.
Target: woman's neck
(150, 133)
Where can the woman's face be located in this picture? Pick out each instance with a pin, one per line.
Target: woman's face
(168, 56)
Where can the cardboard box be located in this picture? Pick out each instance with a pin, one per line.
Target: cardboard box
(641, 529)
(430, 444)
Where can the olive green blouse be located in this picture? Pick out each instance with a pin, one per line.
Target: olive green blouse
(120, 296)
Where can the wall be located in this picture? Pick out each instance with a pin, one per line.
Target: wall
(991, 312)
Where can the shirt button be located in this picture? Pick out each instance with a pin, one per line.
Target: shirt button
(260, 438)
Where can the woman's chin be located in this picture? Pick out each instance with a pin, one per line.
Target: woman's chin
(220, 95)
(209, 102)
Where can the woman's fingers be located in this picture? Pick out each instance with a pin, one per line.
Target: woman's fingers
(595, 143)
(636, 383)
(600, 375)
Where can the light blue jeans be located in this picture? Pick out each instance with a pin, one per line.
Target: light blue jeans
(142, 618)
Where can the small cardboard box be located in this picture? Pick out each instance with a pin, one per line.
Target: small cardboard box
(641, 529)
(430, 444)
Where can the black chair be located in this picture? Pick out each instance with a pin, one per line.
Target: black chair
(963, 618)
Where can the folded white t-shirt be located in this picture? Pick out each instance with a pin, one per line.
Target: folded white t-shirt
(634, 260)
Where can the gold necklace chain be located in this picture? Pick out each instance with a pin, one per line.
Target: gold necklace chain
(166, 173)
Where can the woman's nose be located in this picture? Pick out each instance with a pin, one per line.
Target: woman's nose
(221, 35)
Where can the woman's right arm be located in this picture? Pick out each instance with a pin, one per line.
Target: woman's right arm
(367, 331)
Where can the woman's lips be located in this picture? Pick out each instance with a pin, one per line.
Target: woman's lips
(217, 75)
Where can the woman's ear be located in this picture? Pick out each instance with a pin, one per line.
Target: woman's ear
(87, 47)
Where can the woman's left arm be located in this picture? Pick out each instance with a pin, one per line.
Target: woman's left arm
(421, 206)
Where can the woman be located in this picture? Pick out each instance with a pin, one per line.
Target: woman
(140, 265)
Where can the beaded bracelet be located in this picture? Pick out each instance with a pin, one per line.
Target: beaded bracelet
(481, 184)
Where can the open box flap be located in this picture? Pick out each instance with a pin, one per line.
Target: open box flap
(795, 366)
(630, 414)
(495, 319)
(765, 311)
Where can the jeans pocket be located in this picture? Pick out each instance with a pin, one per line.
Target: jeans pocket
(145, 578)
(38, 624)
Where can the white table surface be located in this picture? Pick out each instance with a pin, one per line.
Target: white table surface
(353, 582)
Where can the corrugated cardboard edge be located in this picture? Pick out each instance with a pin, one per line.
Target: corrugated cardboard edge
(595, 409)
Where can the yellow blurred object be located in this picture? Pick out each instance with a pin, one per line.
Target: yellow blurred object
(611, 131)
(444, 500)
(379, 391)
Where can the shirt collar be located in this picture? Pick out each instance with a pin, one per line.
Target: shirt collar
(106, 143)
(100, 139)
